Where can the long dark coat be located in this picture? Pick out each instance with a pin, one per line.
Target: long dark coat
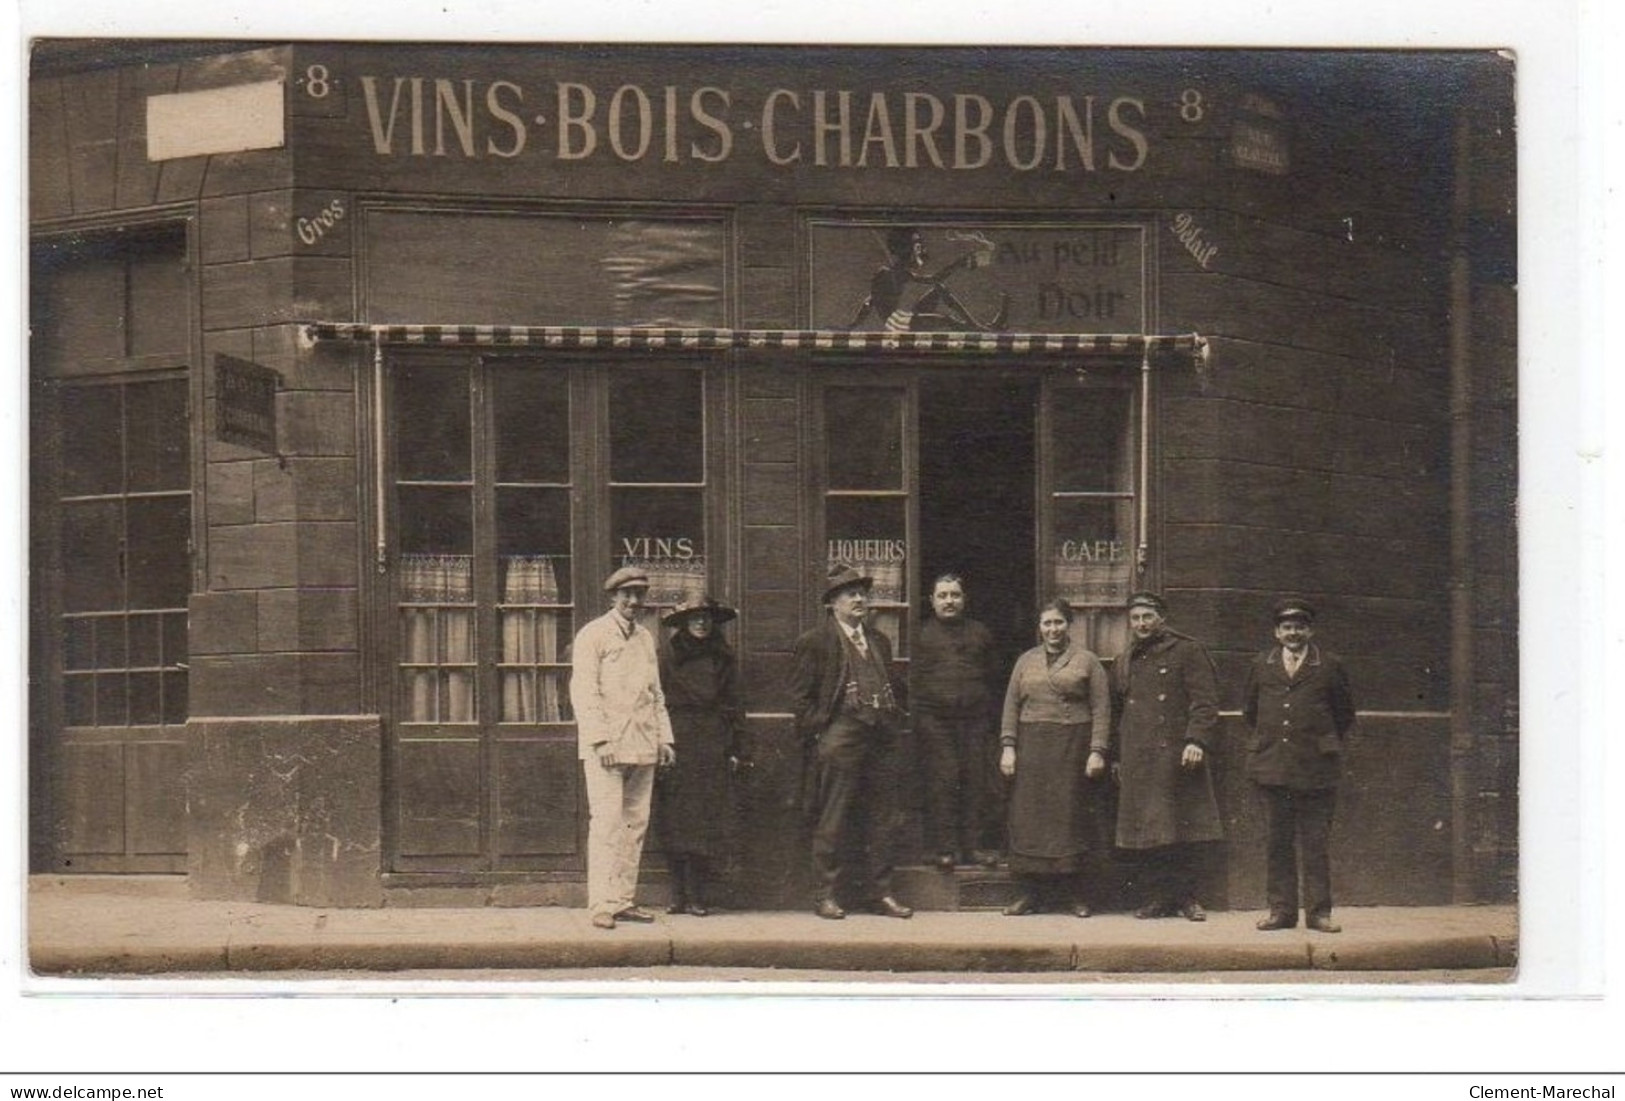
(1298, 723)
(1166, 695)
(692, 800)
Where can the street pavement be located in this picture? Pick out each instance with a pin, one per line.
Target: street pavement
(119, 926)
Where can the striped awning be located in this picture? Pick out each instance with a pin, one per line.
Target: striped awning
(816, 340)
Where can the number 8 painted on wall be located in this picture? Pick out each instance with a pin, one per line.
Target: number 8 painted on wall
(317, 82)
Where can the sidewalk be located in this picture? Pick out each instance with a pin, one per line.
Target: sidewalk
(146, 925)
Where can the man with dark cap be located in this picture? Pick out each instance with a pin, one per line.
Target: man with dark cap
(623, 733)
(1166, 702)
(1298, 705)
(846, 711)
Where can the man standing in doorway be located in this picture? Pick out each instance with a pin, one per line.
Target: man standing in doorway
(624, 734)
(954, 669)
(1166, 697)
(1299, 707)
(846, 709)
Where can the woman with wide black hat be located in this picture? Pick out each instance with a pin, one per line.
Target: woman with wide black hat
(699, 676)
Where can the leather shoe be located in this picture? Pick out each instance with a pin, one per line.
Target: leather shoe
(1154, 910)
(603, 921)
(888, 906)
(1021, 907)
(987, 858)
(698, 909)
(830, 909)
(1081, 909)
(1192, 911)
(635, 913)
(1277, 921)
(1320, 923)
(945, 862)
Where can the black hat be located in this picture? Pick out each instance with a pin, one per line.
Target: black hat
(692, 606)
(844, 577)
(1147, 600)
(627, 577)
(1294, 607)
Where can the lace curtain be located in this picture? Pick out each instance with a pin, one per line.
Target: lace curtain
(437, 622)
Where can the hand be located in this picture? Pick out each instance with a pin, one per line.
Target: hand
(606, 755)
(1007, 760)
(1096, 768)
(1192, 757)
(667, 757)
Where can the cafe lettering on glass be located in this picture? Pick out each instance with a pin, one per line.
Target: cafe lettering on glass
(1093, 571)
(245, 403)
(675, 565)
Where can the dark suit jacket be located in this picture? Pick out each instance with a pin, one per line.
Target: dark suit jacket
(815, 674)
(1298, 723)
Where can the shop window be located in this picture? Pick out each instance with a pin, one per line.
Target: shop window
(124, 536)
(866, 497)
(1092, 511)
(657, 433)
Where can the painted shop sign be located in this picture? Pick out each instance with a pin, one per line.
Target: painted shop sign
(1258, 140)
(977, 277)
(245, 403)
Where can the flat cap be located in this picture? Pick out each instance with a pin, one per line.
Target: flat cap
(1294, 607)
(627, 577)
(1147, 600)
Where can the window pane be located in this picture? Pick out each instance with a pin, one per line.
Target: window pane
(92, 537)
(432, 438)
(436, 520)
(92, 441)
(111, 699)
(160, 300)
(863, 431)
(80, 312)
(146, 704)
(532, 415)
(160, 576)
(870, 535)
(111, 652)
(663, 531)
(144, 648)
(1091, 442)
(175, 698)
(175, 648)
(657, 426)
(79, 700)
(156, 436)
(79, 644)
(533, 545)
(1093, 556)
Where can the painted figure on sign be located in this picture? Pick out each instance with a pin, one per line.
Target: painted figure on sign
(905, 298)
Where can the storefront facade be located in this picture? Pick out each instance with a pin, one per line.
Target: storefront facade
(357, 367)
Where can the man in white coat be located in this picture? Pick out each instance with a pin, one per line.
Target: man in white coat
(624, 733)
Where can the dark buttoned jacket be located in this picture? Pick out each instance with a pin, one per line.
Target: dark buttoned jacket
(1298, 723)
(816, 666)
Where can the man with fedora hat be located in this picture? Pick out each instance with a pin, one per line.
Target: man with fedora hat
(624, 733)
(1298, 705)
(846, 711)
(1166, 697)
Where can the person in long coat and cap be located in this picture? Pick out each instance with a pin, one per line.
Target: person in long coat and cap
(624, 733)
(692, 816)
(1166, 697)
(1299, 707)
(847, 711)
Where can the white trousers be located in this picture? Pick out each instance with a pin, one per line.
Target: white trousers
(618, 820)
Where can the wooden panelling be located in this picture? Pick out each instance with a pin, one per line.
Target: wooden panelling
(157, 796)
(772, 558)
(50, 179)
(1209, 491)
(1407, 565)
(770, 430)
(771, 494)
(91, 107)
(1303, 379)
(1274, 435)
(92, 787)
(541, 800)
(437, 785)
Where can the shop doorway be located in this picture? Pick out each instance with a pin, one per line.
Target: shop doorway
(978, 470)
